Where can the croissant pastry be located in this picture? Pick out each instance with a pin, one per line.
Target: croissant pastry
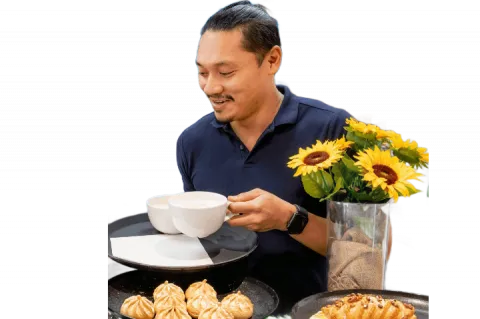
(173, 313)
(138, 307)
(201, 287)
(358, 306)
(196, 304)
(216, 311)
(239, 305)
(168, 289)
(168, 301)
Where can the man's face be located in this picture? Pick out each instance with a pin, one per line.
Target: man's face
(230, 76)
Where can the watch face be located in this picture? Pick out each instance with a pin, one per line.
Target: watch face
(299, 222)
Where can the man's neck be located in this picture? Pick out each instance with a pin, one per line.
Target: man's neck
(250, 129)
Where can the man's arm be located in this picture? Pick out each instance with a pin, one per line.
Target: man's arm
(183, 166)
(314, 235)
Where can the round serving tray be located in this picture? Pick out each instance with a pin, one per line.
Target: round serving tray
(263, 297)
(309, 306)
(134, 242)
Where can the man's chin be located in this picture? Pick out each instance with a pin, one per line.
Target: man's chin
(223, 118)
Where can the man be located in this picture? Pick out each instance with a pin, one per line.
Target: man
(241, 150)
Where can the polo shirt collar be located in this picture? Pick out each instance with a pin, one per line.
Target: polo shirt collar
(287, 114)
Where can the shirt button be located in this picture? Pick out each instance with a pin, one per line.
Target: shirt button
(242, 147)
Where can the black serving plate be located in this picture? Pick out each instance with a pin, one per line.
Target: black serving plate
(119, 288)
(309, 306)
(227, 245)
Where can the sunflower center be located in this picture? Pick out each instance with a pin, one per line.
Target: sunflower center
(385, 172)
(316, 158)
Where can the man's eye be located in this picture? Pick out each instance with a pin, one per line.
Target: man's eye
(202, 73)
(226, 73)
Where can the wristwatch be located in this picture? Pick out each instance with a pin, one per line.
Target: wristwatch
(298, 221)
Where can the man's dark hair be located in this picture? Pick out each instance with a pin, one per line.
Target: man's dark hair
(259, 29)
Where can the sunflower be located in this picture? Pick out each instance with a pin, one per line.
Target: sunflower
(386, 134)
(362, 127)
(318, 157)
(380, 169)
(343, 144)
(409, 151)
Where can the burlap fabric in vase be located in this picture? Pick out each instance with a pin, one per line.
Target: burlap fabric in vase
(354, 263)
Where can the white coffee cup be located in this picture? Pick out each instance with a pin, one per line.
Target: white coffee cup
(198, 214)
(160, 215)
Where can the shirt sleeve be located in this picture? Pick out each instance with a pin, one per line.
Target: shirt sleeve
(183, 166)
(336, 129)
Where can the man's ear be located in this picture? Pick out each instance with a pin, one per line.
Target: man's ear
(274, 59)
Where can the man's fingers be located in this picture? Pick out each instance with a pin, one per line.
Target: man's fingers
(243, 207)
(243, 220)
(247, 196)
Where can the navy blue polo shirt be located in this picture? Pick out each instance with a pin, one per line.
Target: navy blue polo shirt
(212, 158)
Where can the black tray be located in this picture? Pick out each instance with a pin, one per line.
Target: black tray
(227, 245)
(263, 297)
(309, 306)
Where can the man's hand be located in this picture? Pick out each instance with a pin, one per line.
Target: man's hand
(260, 211)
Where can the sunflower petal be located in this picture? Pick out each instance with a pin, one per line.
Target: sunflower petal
(369, 177)
(298, 172)
(379, 182)
(402, 189)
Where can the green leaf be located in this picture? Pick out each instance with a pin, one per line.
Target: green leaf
(362, 196)
(318, 184)
(337, 170)
(327, 181)
(351, 136)
(346, 170)
(338, 186)
(420, 164)
(350, 164)
(372, 137)
(379, 195)
(361, 141)
(312, 185)
(407, 155)
(412, 191)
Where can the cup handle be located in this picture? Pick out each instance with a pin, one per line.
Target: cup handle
(228, 215)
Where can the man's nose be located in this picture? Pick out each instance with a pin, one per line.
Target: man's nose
(212, 86)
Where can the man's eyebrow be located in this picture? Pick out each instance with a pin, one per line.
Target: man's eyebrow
(217, 64)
